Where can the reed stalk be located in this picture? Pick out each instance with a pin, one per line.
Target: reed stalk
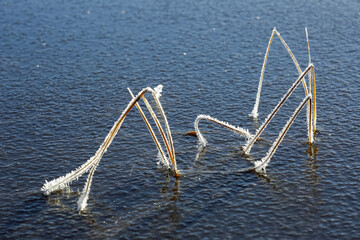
(168, 132)
(312, 85)
(308, 46)
(163, 135)
(82, 202)
(314, 100)
(201, 138)
(254, 113)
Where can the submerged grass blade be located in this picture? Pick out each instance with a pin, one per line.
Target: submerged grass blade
(201, 138)
(251, 141)
(261, 165)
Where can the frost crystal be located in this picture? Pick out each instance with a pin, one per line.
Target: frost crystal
(158, 91)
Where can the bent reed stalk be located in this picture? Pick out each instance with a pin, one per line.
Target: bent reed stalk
(92, 163)
(201, 138)
(254, 112)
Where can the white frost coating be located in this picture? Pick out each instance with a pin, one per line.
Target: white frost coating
(163, 160)
(158, 90)
(64, 181)
(262, 164)
(201, 138)
(82, 202)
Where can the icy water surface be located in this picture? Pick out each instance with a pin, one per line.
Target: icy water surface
(64, 71)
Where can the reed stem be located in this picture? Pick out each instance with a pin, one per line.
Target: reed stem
(201, 138)
(168, 133)
(314, 100)
(254, 112)
(82, 202)
(162, 133)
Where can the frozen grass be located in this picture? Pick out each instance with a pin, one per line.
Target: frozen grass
(259, 166)
(310, 100)
(93, 162)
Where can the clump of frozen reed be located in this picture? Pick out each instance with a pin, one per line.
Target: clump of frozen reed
(167, 158)
(310, 99)
(93, 162)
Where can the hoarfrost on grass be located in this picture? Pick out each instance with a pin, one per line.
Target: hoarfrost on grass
(169, 160)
